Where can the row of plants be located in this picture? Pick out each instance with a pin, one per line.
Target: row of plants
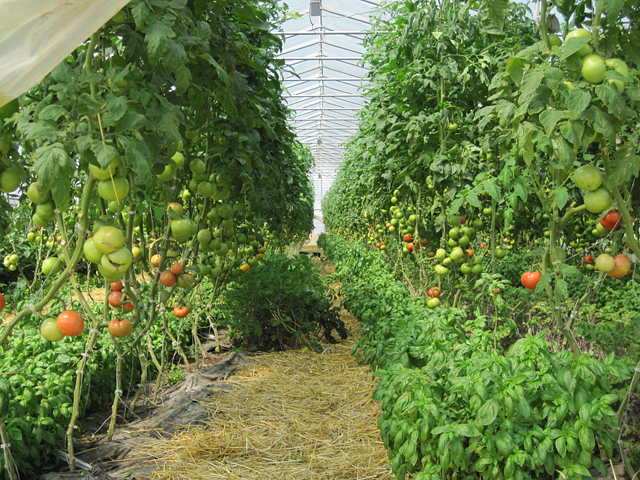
(465, 394)
(495, 152)
(487, 134)
(155, 165)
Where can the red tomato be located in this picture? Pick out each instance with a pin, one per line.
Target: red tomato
(483, 245)
(180, 312)
(424, 242)
(588, 259)
(410, 247)
(434, 292)
(2, 302)
(407, 237)
(611, 220)
(115, 299)
(463, 219)
(378, 245)
(70, 323)
(116, 286)
(167, 278)
(120, 328)
(530, 279)
(388, 224)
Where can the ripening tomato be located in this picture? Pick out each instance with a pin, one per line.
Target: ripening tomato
(155, 260)
(181, 312)
(407, 237)
(70, 323)
(3, 302)
(116, 286)
(128, 306)
(530, 279)
(378, 245)
(588, 259)
(434, 292)
(388, 225)
(410, 247)
(622, 266)
(115, 299)
(463, 219)
(424, 242)
(611, 220)
(177, 268)
(120, 328)
(470, 252)
(167, 278)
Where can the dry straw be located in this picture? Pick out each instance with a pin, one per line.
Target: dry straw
(293, 415)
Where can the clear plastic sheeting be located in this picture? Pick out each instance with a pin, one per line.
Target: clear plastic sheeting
(36, 35)
(324, 76)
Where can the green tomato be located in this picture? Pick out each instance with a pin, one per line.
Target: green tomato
(594, 69)
(456, 254)
(105, 173)
(108, 239)
(35, 195)
(107, 191)
(197, 166)
(167, 174)
(178, 158)
(39, 221)
(49, 330)
(441, 253)
(51, 266)
(9, 180)
(45, 210)
(598, 200)
(587, 177)
(442, 270)
(433, 302)
(555, 40)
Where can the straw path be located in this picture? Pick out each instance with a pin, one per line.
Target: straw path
(290, 415)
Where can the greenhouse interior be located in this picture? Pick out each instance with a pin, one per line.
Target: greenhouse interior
(319, 239)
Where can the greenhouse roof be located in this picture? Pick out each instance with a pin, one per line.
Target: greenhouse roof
(324, 76)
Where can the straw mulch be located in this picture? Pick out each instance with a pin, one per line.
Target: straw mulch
(293, 415)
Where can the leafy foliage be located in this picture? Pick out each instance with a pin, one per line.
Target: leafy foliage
(279, 303)
(455, 404)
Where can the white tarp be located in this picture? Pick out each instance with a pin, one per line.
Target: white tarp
(36, 35)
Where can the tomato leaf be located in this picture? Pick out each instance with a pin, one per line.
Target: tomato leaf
(568, 270)
(89, 105)
(138, 157)
(530, 84)
(625, 165)
(55, 169)
(564, 152)
(493, 190)
(549, 119)
(104, 153)
(601, 122)
(572, 131)
(562, 288)
(610, 97)
(497, 12)
(574, 44)
(561, 196)
(544, 281)
(157, 35)
(515, 69)
(578, 100)
(117, 106)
